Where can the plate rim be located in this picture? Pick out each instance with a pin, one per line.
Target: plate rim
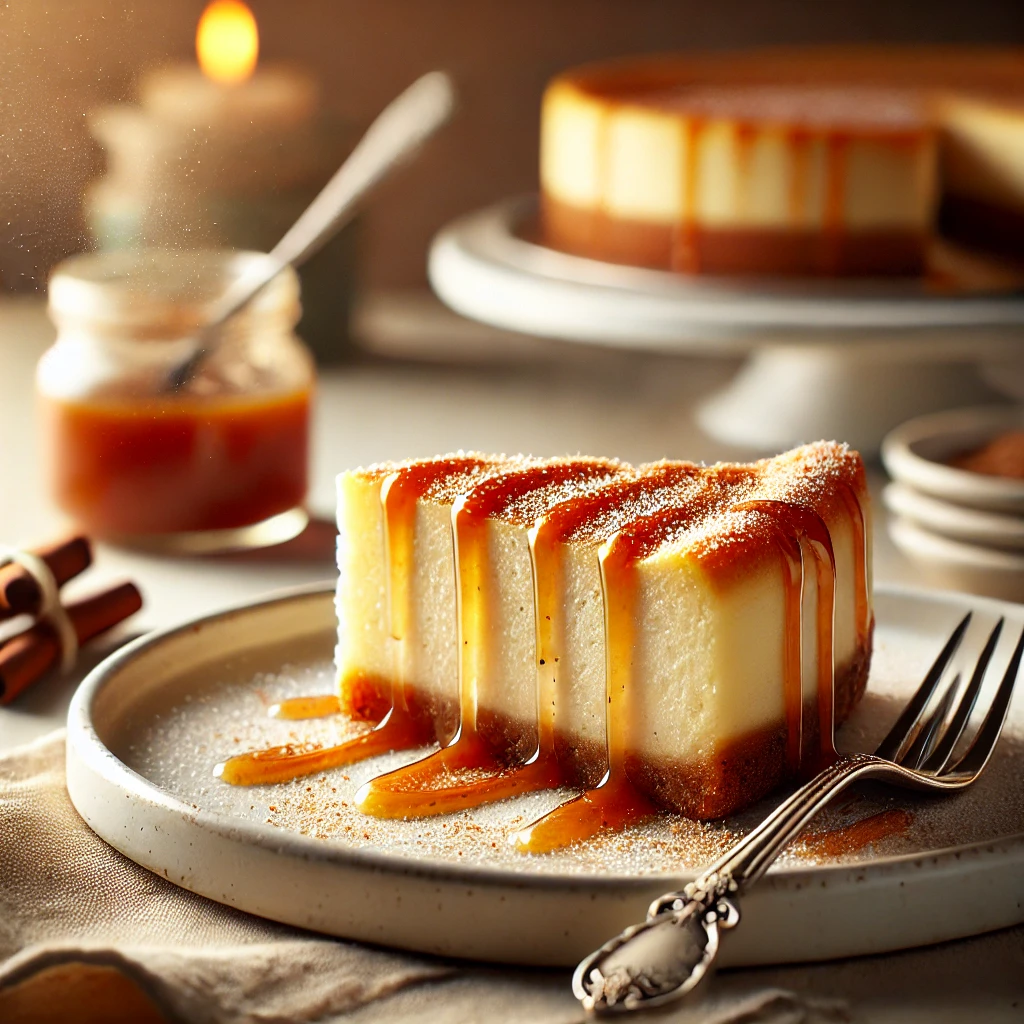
(88, 747)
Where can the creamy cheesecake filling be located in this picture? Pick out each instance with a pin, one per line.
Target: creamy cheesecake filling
(396, 592)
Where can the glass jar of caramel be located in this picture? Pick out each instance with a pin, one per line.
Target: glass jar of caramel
(219, 463)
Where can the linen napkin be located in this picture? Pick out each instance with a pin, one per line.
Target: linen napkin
(86, 934)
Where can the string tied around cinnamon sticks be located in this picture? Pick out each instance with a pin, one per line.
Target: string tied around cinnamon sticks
(50, 611)
(58, 629)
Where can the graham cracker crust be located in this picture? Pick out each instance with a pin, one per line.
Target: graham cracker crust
(738, 774)
(745, 251)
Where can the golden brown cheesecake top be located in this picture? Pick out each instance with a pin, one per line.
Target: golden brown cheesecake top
(990, 71)
(522, 495)
(722, 537)
(813, 107)
(591, 498)
(441, 478)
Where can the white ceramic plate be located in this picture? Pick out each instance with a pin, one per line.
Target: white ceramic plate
(146, 727)
(915, 453)
(483, 267)
(975, 526)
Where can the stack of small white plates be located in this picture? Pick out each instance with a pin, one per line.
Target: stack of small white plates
(964, 529)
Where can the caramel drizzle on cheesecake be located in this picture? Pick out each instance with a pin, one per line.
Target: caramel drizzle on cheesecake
(617, 802)
(861, 556)
(685, 250)
(803, 529)
(475, 768)
(493, 777)
(404, 726)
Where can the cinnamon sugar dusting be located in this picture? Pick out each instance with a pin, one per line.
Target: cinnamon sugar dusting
(815, 106)
(850, 838)
(701, 517)
(523, 495)
(597, 516)
(440, 478)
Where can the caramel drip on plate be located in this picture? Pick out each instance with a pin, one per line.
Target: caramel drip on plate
(849, 838)
(472, 769)
(402, 728)
(297, 708)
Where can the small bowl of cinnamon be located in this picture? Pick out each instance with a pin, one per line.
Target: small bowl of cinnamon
(957, 497)
(969, 457)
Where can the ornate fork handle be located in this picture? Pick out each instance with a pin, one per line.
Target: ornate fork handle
(669, 954)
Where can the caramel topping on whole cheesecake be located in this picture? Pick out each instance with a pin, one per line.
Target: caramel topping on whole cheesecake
(791, 162)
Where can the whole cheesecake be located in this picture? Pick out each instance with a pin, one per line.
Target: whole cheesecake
(807, 162)
(696, 631)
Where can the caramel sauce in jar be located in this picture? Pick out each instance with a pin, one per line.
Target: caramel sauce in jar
(131, 459)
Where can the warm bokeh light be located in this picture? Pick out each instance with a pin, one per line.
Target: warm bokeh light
(227, 42)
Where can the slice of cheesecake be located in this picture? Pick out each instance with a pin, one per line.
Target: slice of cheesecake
(652, 619)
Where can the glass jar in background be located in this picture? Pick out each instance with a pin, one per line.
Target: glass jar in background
(221, 463)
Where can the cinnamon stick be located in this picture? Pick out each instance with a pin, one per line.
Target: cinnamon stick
(19, 590)
(29, 656)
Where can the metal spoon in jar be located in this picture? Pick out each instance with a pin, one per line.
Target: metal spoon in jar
(397, 133)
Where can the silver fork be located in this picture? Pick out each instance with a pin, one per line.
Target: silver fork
(667, 956)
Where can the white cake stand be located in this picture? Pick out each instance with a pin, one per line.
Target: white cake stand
(832, 359)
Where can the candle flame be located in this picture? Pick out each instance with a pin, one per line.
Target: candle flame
(227, 42)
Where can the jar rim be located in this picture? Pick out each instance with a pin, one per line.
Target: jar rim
(161, 293)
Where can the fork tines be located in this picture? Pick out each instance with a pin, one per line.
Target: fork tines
(926, 742)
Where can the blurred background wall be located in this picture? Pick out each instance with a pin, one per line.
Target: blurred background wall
(61, 57)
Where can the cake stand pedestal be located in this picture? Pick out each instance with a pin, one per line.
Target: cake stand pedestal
(839, 359)
(786, 394)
